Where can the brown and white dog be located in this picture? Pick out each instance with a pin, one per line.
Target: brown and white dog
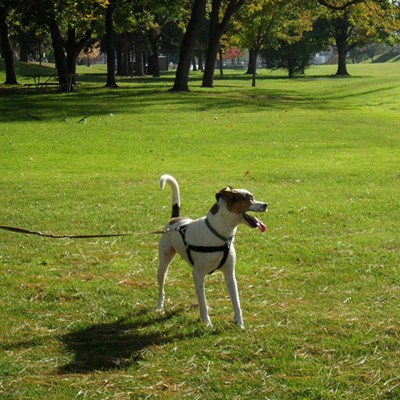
(207, 243)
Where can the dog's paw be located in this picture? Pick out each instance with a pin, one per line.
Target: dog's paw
(209, 324)
(239, 324)
(206, 322)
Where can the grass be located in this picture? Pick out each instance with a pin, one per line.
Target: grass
(319, 291)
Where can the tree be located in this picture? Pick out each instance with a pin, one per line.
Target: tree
(270, 23)
(71, 24)
(171, 39)
(81, 19)
(140, 46)
(233, 53)
(32, 30)
(154, 65)
(187, 46)
(58, 46)
(155, 17)
(358, 22)
(201, 47)
(26, 39)
(139, 29)
(295, 56)
(220, 16)
(74, 45)
(11, 78)
(110, 45)
(128, 36)
(90, 53)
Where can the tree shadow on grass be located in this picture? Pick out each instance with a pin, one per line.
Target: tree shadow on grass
(117, 345)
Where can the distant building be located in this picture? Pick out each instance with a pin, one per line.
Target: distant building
(322, 58)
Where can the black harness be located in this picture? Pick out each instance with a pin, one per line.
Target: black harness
(207, 249)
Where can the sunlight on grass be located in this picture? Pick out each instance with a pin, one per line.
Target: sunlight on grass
(319, 290)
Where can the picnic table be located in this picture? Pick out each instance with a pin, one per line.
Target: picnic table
(63, 82)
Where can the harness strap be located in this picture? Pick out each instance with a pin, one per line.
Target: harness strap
(205, 249)
(216, 233)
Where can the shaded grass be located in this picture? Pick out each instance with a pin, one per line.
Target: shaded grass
(319, 291)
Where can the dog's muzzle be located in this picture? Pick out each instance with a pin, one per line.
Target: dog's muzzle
(253, 221)
(258, 207)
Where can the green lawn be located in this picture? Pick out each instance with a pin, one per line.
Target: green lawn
(320, 289)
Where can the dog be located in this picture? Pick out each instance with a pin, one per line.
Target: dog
(207, 243)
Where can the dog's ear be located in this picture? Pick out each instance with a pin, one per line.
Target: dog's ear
(226, 194)
(214, 209)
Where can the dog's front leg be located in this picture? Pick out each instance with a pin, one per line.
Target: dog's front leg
(231, 285)
(201, 297)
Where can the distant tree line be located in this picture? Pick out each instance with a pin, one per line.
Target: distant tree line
(284, 33)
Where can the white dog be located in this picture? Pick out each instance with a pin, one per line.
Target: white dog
(207, 243)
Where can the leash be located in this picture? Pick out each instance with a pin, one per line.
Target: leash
(49, 235)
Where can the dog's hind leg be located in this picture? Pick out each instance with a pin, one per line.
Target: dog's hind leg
(165, 257)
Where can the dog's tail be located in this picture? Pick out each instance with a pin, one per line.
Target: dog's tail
(176, 201)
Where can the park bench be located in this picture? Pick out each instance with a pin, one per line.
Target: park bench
(41, 81)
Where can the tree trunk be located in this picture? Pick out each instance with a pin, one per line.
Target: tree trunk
(118, 55)
(211, 60)
(123, 56)
(139, 64)
(11, 78)
(200, 61)
(221, 63)
(187, 47)
(217, 29)
(125, 61)
(40, 49)
(110, 47)
(342, 55)
(253, 54)
(290, 69)
(341, 35)
(74, 47)
(254, 76)
(23, 41)
(59, 55)
(154, 65)
(214, 37)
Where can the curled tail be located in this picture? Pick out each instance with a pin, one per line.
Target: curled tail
(176, 201)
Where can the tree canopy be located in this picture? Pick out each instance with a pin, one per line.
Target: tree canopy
(355, 23)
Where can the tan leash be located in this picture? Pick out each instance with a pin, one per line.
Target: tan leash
(49, 235)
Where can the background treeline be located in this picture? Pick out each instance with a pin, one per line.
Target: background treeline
(191, 33)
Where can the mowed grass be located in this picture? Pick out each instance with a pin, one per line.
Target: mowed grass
(319, 290)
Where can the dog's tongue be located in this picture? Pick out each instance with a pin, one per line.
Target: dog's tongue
(261, 226)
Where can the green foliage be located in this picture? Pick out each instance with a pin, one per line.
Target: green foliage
(263, 23)
(364, 22)
(319, 290)
(294, 56)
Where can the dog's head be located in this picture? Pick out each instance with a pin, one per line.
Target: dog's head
(239, 201)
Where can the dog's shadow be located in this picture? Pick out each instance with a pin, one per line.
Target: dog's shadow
(116, 345)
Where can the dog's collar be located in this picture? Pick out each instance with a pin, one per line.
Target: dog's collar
(216, 233)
